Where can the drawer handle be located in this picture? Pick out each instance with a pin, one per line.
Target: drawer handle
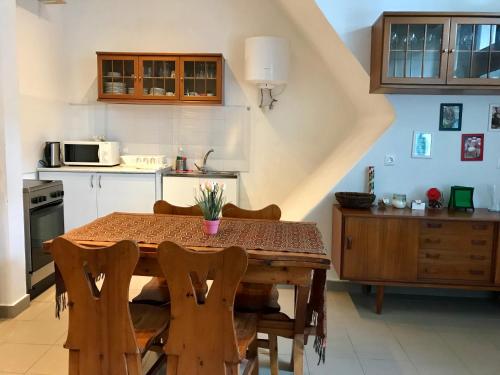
(479, 226)
(431, 241)
(478, 242)
(434, 225)
(432, 256)
(476, 272)
(348, 244)
(477, 257)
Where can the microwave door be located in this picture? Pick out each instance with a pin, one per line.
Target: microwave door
(81, 154)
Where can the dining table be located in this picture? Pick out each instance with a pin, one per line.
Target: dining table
(279, 252)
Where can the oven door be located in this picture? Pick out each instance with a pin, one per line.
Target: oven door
(46, 223)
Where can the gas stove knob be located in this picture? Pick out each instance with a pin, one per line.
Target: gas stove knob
(54, 194)
(34, 200)
(42, 198)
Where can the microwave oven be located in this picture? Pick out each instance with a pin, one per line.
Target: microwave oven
(105, 154)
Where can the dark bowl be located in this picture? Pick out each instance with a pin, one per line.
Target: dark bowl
(355, 200)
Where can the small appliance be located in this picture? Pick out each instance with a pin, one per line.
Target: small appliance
(43, 220)
(51, 155)
(100, 153)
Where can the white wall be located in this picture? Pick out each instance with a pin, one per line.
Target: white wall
(352, 20)
(12, 259)
(42, 77)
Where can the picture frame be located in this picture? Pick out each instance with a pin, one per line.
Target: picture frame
(422, 145)
(494, 118)
(450, 117)
(472, 147)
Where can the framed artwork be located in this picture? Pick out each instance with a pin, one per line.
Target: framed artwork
(472, 147)
(450, 117)
(422, 144)
(494, 118)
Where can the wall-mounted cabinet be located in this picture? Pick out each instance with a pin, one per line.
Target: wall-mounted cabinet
(436, 53)
(160, 78)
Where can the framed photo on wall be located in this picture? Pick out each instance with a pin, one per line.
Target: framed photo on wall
(472, 147)
(494, 118)
(422, 145)
(450, 117)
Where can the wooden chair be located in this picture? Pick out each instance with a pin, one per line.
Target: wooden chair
(261, 298)
(106, 335)
(271, 212)
(163, 207)
(155, 292)
(205, 336)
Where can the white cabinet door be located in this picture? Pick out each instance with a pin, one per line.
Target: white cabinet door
(80, 204)
(180, 191)
(122, 192)
(232, 189)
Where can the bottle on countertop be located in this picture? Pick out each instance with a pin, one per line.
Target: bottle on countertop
(181, 160)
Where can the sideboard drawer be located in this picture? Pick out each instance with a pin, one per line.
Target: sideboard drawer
(457, 242)
(456, 228)
(451, 256)
(447, 271)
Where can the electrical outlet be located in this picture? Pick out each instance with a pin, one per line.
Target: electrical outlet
(390, 160)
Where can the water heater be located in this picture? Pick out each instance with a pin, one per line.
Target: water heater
(266, 61)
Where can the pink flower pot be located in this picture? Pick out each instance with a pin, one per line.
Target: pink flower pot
(211, 226)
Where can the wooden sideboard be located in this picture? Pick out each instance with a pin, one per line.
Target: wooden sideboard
(432, 248)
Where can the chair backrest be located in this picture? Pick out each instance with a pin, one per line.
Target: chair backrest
(271, 212)
(101, 336)
(202, 338)
(163, 207)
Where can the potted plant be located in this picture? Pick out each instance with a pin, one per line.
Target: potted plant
(210, 199)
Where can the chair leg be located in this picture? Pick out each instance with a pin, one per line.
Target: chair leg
(74, 365)
(172, 364)
(231, 369)
(273, 354)
(253, 355)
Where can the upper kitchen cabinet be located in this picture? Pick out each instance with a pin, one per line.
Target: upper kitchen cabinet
(149, 78)
(436, 53)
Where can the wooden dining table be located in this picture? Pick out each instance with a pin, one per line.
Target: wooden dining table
(279, 252)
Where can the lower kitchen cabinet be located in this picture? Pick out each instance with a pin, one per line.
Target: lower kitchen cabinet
(401, 247)
(180, 190)
(88, 196)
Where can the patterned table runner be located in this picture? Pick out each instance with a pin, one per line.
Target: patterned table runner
(187, 231)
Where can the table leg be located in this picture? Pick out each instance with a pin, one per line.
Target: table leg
(302, 297)
(380, 299)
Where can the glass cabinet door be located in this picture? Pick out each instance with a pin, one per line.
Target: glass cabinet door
(159, 77)
(201, 78)
(415, 50)
(118, 76)
(475, 51)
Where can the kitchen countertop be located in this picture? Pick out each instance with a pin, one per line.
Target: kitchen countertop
(197, 174)
(97, 169)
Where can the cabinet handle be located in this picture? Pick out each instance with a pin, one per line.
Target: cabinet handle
(446, 50)
(476, 272)
(348, 244)
(431, 241)
(452, 50)
(477, 257)
(479, 226)
(432, 256)
(91, 181)
(478, 242)
(434, 225)
(99, 181)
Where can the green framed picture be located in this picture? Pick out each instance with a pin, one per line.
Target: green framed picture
(461, 198)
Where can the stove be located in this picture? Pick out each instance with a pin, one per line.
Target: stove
(43, 220)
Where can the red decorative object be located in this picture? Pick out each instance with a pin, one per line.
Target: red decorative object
(435, 198)
(472, 147)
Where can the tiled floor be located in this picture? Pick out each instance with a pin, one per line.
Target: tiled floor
(414, 335)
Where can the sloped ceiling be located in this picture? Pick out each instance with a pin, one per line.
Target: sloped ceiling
(373, 113)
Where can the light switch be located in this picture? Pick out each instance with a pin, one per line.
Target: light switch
(390, 159)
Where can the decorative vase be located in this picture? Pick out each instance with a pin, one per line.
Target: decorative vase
(211, 226)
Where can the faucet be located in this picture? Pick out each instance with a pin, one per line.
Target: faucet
(203, 167)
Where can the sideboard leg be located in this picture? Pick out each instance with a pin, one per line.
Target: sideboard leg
(366, 289)
(380, 299)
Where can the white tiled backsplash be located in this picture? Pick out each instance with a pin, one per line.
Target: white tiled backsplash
(163, 129)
